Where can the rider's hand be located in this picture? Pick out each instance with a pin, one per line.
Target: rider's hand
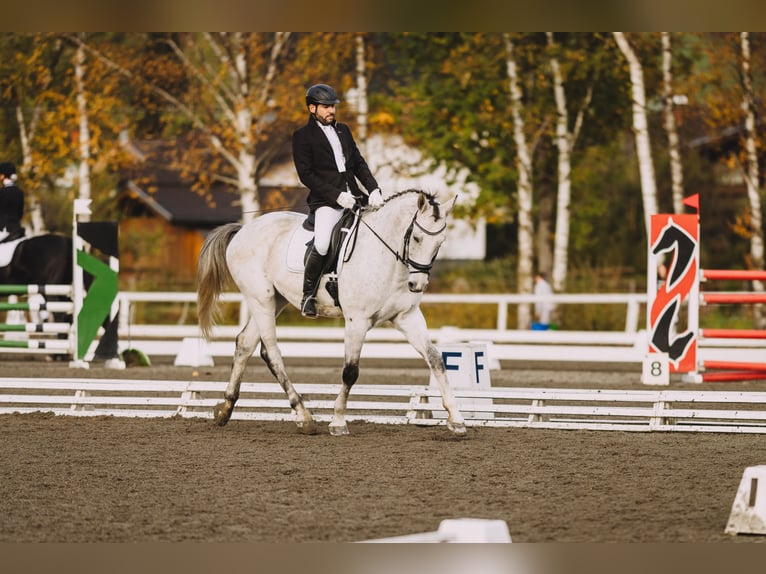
(376, 199)
(346, 200)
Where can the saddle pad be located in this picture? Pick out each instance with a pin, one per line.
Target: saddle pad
(296, 250)
(7, 249)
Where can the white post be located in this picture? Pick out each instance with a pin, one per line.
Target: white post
(81, 208)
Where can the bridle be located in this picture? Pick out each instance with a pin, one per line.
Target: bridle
(412, 265)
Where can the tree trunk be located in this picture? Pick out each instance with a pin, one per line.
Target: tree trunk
(641, 131)
(36, 220)
(676, 169)
(564, 195)
(84, 131)
(752, 175)
(524, 165)
(362, 108)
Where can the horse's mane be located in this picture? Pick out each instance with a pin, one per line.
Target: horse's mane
(431, 197)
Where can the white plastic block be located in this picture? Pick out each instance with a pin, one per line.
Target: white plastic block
(748, 513)
(473, 530)
(194, 352)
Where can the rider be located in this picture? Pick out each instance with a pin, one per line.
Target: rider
(328, 162)
(11, 204)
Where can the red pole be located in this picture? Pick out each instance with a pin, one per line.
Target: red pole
(733, 275)
(734, 333)
(732, 377)
(733, 298)
(734, 365)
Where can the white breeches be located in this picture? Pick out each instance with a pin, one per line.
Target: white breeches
(325, 219)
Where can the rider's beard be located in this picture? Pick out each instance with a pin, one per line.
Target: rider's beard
(325, 121)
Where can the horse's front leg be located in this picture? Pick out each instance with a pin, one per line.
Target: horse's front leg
(413, 325)
(355, 331)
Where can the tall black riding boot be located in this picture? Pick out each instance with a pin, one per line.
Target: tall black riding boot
(311, 277)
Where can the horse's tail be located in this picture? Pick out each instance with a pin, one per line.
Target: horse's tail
(213, 275)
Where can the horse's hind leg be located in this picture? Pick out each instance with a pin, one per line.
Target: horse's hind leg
(272, 356)
(246, 341)
(273, 360)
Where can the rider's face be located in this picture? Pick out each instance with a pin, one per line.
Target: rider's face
(325, 114)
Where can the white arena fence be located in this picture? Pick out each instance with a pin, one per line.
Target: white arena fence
(543, 408)
(627, 346)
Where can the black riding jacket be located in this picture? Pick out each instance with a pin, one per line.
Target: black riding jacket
(11, 211)
(317, 170)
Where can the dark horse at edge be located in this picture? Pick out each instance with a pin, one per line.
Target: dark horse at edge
(40, 260)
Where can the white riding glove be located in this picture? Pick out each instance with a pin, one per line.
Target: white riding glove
(376, 199)
(346, 200)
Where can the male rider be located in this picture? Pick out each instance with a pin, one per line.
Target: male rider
(328, 163)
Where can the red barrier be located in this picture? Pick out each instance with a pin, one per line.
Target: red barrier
(733, 275)
(733, 376)
(751, 298)
(734, 365)
(733, 333)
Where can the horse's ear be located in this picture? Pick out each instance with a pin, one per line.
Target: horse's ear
(449, 204)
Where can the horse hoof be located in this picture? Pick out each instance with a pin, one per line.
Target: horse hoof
(458, 429)
(338, 430)
(222, 413)
(309, 427)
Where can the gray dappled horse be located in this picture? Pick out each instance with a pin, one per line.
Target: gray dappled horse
(382, 280)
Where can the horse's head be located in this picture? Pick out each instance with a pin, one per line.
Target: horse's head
(425, 236)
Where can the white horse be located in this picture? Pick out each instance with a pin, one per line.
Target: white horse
(383, 280)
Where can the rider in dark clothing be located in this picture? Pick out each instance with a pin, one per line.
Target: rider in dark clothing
(328, 162)
(11, 204)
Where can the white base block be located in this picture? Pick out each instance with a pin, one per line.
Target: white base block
(748, 513)
(194, 353)
(114, 363)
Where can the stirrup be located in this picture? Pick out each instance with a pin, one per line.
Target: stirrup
(309, 306)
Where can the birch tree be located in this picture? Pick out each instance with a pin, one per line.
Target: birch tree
(525, 184)
(228, 102)
(60, 121)
(84, 128)
(565, 141)
(676, 168)
(362, 104)
(30, 73)
(640, 130)
(751, 172)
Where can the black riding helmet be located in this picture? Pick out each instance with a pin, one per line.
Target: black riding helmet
(7, 169)
(321, 94)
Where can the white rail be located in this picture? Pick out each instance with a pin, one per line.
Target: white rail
(549, 408)
(632, 301)
(626, 346)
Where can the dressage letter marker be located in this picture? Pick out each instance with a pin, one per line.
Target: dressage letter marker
(465, 365)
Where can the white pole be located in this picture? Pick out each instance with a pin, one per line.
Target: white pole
(81, 208)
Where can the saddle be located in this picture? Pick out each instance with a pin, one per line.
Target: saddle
(340, 243)
(7, 249)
